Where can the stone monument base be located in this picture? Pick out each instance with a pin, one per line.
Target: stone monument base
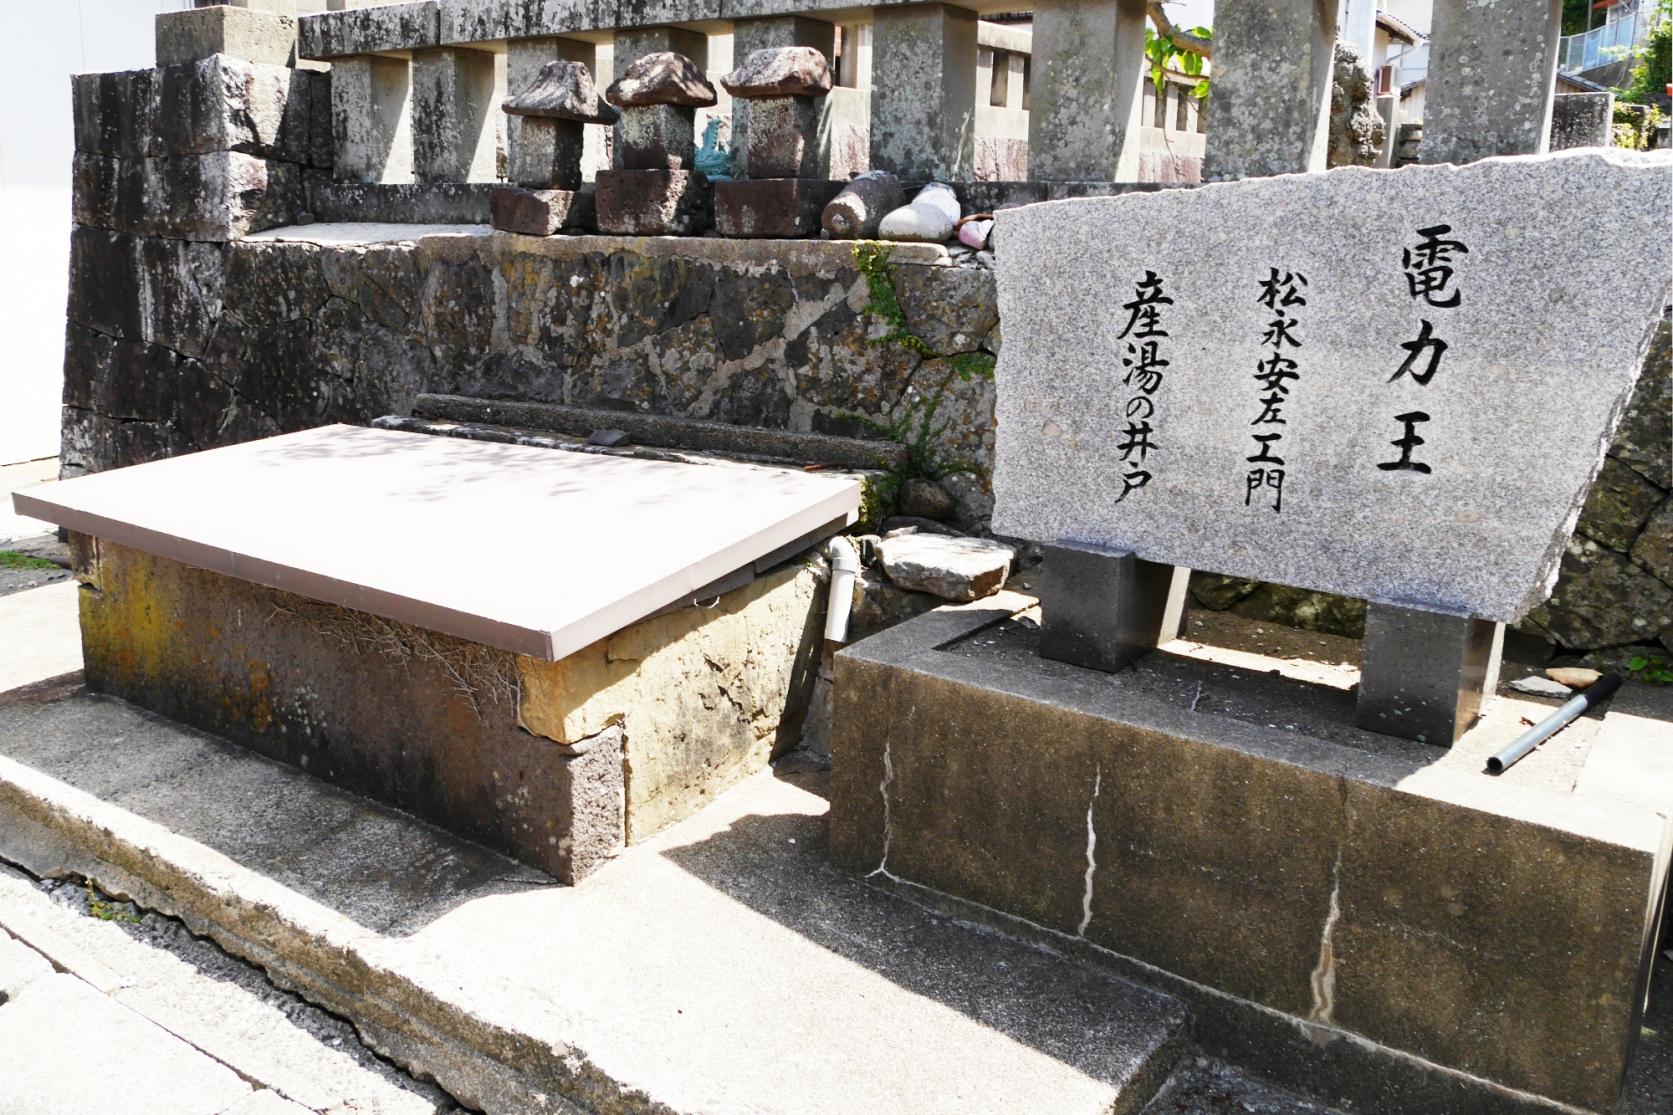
(654, 202)
(1213, 821)
(541, 212)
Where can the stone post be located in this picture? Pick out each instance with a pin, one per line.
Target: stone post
(371, 118)
(547, 193)
(1582, 120)
(1016, 82)
(1273, 63)
(923, 85)
(1089, 72)
(751, 35)
(1492, 72)
(453, 101)
(632, 45)
(1388, 107)
(525, 59)
(784, 87)
(654, 188)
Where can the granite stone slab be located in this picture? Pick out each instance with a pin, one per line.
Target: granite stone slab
(373, 520)
(1368, 460)
(386, 27)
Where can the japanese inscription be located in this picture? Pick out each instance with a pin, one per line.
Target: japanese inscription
(1341, 382)
(1145, 364)
(1281, 295)
(1429, 273)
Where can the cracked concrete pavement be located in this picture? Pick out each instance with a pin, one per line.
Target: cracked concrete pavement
(96, 994)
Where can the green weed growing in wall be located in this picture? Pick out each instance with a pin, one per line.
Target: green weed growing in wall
(915, 422)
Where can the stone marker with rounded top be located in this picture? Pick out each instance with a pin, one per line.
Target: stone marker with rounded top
(546, 152)
(784, 85)
(783, 195)
(654, 189)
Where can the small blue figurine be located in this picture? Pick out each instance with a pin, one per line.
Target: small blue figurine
(714, 158)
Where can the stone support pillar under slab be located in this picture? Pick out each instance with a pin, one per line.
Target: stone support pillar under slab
(1273, 61)
(1425, 674)
(454, 109)
(1089, 69)
(1105, 609)
(371, 119)
(923, 84)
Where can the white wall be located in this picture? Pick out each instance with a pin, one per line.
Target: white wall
(51, 40)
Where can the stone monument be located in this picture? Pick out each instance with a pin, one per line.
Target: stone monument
(1383, 386)
(656, 189)
(784, 194)
(546, 152)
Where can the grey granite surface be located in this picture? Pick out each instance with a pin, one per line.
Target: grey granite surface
(1543, 345)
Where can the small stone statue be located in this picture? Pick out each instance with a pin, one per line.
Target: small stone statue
(714, 157)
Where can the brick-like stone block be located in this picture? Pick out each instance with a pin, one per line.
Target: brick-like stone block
(772, 207)
(227, 104)
(387, 27)
(220, 103)
(541, 212)
(218, 196)
(254, 36)
(1581, 120)
(1257, 844)
(783, 137)
(115, 113)
(653, 202)
(450, 707)
(481, 21)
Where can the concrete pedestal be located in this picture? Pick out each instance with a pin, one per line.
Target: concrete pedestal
(1377, 916)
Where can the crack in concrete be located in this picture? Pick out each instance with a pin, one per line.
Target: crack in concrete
(1091, 853)
(1324, 973)
(883, 789)
(258, 1082)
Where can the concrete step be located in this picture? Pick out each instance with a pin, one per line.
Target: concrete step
(722, 966)
(225, 1013)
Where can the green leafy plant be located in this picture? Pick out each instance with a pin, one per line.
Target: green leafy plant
(1577, 16)
(915, 423)
(106, 910)
(1164, 55)
(1634, 126)
(1649, 668)
(11, 559)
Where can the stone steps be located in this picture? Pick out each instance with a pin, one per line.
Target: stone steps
(722, 966)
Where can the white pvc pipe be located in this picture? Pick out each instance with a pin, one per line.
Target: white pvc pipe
(845, 566)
